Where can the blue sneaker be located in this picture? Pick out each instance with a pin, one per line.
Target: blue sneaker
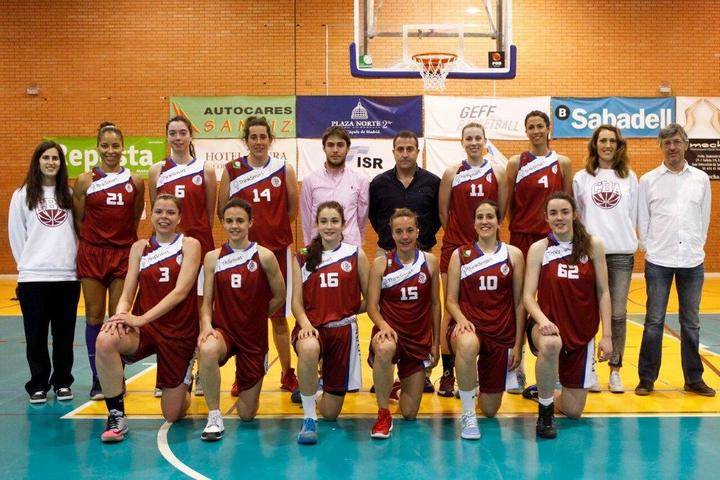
(308, 432)
(470, 429)
(531, 393)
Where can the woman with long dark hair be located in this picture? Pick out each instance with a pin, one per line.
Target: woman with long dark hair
(606, 192)
(44, 245)
(568, 273)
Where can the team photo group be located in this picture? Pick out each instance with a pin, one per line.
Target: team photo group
(559, 283)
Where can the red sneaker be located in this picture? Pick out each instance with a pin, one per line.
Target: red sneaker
(395, 391)
(383, 425)
(447, 385)
(235, 390)
(288, 381)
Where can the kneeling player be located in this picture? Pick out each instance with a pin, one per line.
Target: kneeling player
(485, 281)
(567, 270)
(243, 285)
(329, 277)
(161, 279)
(404, 305)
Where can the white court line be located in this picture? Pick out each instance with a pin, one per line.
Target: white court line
(72, 413)
(168, 455)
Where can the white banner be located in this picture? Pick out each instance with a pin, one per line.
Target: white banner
(440, 154)
(371, 156)
(502, 117)
(221, 151)
(699, 115)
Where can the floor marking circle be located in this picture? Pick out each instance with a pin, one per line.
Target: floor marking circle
(168, 455)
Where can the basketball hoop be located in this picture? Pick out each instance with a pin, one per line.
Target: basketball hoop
(434, 68)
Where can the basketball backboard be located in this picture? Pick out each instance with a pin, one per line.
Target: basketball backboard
(388, 33)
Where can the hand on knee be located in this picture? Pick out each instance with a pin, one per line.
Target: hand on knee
(550, 346)
(384, 352)
(106, 344)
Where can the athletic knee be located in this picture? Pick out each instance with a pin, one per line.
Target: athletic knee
(106, 344)
(384, 352)
(308, 348)
(209, 352)
(573, 412)
(467, 346)
(550, 346)
(489, 411)
(410, 416)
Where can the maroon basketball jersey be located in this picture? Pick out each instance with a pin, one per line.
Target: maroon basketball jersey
(187, 182)
(406, 300)
(470, 186)
(537, 179)
(332, 291)
(110, 210)
(159, 271)
(486, 292)
(265, 189)
(242, 297)
(567, 294)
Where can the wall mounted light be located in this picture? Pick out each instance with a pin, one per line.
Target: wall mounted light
(665, 89)
(32, 90)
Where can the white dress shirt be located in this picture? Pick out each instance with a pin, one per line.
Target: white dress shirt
(674, 216)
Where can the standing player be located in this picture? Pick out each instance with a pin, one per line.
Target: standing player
(329, 283)
(404, 304)
(193, 183)
(485, 280)
(567, 270)
(243, 284)
(462, 188)
(108, 202)
(606, 192)
(532, 177)
(188, 179)
(160, 286)
(270, 186)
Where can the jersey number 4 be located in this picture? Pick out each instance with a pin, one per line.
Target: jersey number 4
(568, 271)
(543, 181)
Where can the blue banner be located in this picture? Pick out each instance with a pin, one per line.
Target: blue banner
(362, 117)
(636, 117)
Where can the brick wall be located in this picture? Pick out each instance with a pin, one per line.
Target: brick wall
(97, 61)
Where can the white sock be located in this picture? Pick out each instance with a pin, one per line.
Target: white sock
(308, 405)
(545, 401)
(467, 400)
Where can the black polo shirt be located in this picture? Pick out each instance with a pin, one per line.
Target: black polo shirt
(388, 193)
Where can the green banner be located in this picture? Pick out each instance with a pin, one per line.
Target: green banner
(224, 117)
(140, 153)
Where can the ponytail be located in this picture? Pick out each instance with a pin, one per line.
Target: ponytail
(581, 241)
(314, 254)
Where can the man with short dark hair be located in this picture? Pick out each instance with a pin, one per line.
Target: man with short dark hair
(406, 185)
(673, 221)
(335, 181)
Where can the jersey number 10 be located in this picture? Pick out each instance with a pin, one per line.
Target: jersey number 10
(487, 283)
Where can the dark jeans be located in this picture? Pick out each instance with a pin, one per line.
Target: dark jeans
(689, 282)
(52, 304)
(620, 268)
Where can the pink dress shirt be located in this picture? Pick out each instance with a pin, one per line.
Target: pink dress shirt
(349, 188)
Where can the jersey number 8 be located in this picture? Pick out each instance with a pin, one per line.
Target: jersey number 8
(236, 280)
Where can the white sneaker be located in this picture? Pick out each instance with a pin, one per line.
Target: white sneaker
(470, 429)
(214, 429)
(157, 393)
(595, 387)
(615, 383)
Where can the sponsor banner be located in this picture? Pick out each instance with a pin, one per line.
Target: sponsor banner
(371, 156)
(140, 153)
(221, 151)
(224, 117)
(701, 118)
(440, 154)
(364, 117)
(636, 117)
(502, 117)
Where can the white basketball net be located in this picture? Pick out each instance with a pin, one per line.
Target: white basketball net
(434, 69)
